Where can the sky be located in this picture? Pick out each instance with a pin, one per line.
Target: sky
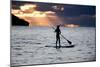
(38, 13)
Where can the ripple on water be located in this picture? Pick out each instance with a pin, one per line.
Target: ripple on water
(79, 50)
(19, 54)
(59, 58)
(85, 58)
(51, 53)
(37, 43)
(89, 52)
(17, 48)
(50, 58)
(70, 58)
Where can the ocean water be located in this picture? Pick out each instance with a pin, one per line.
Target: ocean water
(28, 45)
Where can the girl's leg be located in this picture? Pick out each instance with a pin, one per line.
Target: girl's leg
(59, 43)
(56, 42)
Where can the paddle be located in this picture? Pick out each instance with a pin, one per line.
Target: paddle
(67, 40)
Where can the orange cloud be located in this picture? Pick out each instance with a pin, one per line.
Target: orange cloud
(29, 13)
(28, 8)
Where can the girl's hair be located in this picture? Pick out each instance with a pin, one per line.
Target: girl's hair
(58, 26)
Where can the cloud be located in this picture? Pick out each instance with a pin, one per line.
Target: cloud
(82, 20)
(29, 13)
(81, 17)
(28, 8)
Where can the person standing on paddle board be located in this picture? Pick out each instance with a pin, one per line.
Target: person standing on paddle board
(58, 32)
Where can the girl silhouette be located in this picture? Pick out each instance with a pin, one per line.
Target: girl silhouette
(58, 32)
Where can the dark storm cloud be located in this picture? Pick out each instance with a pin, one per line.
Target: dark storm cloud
(77, 10)
(84, 15)
(82, 20)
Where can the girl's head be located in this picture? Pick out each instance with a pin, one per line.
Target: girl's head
(58, 26)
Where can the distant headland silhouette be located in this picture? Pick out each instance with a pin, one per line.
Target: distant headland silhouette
(18, 22)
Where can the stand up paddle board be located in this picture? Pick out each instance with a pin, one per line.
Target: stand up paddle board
(71, 46)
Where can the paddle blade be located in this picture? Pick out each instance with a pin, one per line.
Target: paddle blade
(69, 42)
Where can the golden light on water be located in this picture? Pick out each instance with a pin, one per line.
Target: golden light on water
(29, 13)
(71, 25)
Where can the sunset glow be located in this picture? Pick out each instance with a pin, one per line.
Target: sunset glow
(29, 13)
(28, 8)
(71, 25)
